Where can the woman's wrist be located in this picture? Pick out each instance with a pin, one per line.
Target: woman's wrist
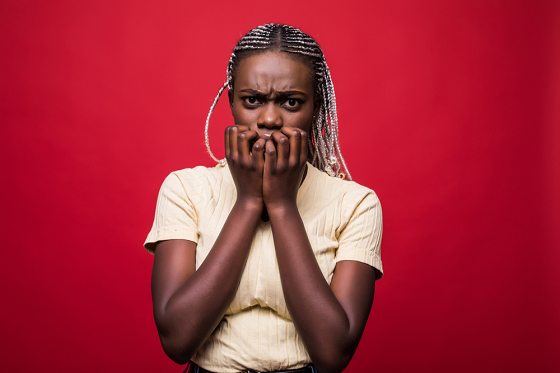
(250, 204)
(282, 208)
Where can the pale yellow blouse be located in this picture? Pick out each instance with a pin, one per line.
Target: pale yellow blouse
(342, 220)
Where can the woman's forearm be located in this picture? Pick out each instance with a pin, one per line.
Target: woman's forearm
(189, 309)
(329, 334)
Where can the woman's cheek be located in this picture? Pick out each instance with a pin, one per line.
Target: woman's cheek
(241, 116)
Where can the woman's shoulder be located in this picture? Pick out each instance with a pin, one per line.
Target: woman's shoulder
(348, 190)
(197, 179)
(200, 173)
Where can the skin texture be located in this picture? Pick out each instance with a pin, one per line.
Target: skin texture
(272, 106)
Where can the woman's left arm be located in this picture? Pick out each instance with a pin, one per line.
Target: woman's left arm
(330, 320)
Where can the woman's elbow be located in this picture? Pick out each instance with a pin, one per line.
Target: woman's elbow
(335, 357)
(175, 351)
(173, 342)
(333, 363)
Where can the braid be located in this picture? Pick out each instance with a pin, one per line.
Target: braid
(206, 138)
(324, 147)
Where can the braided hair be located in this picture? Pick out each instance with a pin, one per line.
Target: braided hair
(324, 148)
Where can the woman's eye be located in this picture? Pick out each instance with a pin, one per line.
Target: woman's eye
(251, 100)
(292, 103)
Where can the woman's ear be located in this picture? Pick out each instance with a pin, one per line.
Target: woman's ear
(230, 97)
(317, 106)
(317, 102)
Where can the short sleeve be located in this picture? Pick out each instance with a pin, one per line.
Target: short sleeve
(360, 239)
(175, 215)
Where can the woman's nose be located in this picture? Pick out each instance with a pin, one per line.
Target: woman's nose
(270, 117)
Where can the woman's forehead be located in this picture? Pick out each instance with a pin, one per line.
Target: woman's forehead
(273, 71)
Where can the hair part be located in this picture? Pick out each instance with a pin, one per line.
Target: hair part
(324, 147)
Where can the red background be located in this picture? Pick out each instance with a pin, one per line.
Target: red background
(450, 111)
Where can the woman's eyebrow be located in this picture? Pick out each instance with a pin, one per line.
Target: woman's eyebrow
(251, 91)
(291, 93)
(279, 93)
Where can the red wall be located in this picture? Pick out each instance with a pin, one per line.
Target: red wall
(449, 110)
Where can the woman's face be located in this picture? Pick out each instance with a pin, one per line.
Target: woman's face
(272, 90)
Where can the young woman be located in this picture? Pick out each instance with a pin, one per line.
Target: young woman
(267, 262)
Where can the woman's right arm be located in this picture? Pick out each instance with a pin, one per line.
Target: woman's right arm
(189, 303)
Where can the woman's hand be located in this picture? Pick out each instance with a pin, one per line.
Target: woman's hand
(283, 166)
(246, 162)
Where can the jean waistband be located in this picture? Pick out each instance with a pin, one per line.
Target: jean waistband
(194, 368)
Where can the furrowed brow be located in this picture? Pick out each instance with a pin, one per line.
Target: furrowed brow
(251, 92)
(281, 94)
(291, 93)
